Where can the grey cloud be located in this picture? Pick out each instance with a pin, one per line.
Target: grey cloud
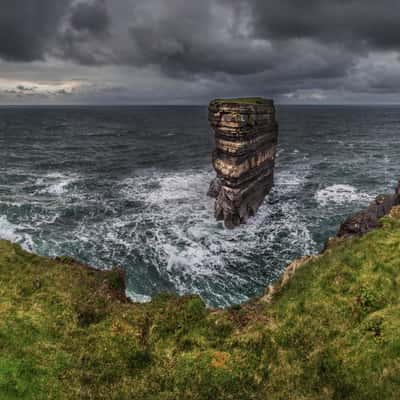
(212, 47)
(33, 29)
(28, 27)
(362, 24)
(92, 17)
(62, 92)
(187, 38)
(254, 36)
(25, 89)
(85, 37)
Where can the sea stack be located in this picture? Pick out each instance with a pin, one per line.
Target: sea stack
(246, 134)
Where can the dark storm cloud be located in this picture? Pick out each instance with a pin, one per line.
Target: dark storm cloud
(361, 23)
(210, 38)
(175, 39)
(180, 36)
(195, 37)
(221, 47)
(85, 37)
(28, 27)
(92, 17)
(256, 35)
(32, 29)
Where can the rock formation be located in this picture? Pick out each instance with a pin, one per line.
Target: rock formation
(369, 218)
(246, 136)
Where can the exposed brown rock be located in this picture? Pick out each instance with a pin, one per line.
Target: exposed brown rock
(214, 188)
(245, 136)
(290, 270)
(367, 219)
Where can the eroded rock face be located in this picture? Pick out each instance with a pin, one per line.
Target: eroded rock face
(369, 218)
(246, 135)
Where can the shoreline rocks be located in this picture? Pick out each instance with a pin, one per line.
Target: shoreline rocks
(368, 219)
(246, 135)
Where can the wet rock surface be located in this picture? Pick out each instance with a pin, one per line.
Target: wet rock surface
(246, 135)
(369, 218)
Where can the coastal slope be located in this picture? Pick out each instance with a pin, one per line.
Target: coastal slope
(329, 332)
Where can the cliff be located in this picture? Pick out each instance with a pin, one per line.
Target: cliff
(328, 331)
(245, 138)
(369, 218)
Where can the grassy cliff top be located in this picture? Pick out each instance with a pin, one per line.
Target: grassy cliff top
(331, 332)
(244, 100)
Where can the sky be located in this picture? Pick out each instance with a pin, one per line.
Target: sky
(190, 51)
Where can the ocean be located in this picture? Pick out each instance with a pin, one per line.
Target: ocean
(126, 186)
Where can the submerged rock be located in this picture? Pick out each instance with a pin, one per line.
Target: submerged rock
(246, 135)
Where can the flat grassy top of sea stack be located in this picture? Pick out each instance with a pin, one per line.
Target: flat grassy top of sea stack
(244, 100)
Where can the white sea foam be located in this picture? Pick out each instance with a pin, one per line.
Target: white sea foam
(56, 183)
(341, 194)
(173, 234)
(192, 250)
(13, 233)
(160, 225)
(136, 297)
(181, 220)
(8, 231)
(287, 180)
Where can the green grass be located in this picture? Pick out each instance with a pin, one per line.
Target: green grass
(244, 100)
(332, 332)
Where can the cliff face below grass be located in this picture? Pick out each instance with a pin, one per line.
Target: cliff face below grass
(370, 217)
(331, 331)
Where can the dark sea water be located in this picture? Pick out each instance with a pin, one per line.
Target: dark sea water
(127, 186)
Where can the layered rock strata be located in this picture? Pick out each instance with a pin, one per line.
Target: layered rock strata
(246, 135)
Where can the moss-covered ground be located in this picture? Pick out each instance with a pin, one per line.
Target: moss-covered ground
(332, 332)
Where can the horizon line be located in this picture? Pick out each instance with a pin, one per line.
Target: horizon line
(198, 105)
